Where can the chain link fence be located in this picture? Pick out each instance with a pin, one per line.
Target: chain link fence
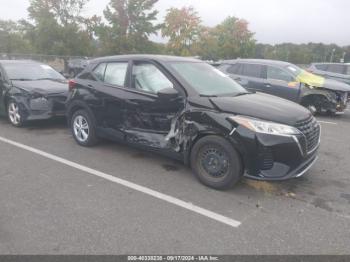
(63, 64)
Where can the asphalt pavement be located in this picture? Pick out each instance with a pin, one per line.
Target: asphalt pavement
(59, 198)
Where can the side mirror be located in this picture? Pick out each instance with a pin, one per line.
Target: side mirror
(168, 94)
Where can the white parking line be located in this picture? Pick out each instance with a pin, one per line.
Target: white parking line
(327, 123)
(136, 187)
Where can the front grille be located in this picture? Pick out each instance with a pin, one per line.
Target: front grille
(312, 131)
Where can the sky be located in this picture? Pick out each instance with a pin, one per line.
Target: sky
(273, 21)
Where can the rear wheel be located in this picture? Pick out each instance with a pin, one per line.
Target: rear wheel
(14, 114)
(83, 129)
(216, 163)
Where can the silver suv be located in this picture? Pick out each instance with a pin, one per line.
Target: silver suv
(337, 71)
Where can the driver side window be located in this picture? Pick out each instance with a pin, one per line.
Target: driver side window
(146, 77)
(274, 73)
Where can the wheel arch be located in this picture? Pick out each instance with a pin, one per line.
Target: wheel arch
(231, 140)
(74, 107)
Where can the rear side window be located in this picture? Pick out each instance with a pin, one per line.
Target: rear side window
(278, 74)
(115, 73)
(100, 71)
(336, 68)
(253, 70)
(322, 67)
(235, 69)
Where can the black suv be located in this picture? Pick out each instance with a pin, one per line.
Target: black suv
(187, 109)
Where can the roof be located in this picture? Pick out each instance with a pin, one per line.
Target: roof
(328, 63)
(258, 61)
(162, 58)
(18, 62)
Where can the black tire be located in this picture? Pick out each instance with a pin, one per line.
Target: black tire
(205, 156)
(92, 138)
(15, 122)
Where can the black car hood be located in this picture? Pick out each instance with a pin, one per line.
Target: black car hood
(44, 87)
(336, 85)
(264, 107)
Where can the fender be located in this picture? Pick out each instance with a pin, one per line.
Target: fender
(77, 105)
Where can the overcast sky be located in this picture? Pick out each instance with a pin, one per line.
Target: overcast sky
(273, 21)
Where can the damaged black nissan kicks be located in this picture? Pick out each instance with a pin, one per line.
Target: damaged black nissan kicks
(187, 109)
(31, 91)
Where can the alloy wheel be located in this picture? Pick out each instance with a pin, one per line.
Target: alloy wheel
(81, 128)
(13, 113)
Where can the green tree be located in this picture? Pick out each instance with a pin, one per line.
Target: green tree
(130, 24)
(207, 46)
(12, 38)
(234, 39)
(58, 27)
(182, 27)
(228, 40)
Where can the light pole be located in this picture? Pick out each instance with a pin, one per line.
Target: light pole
(332, 56)
(343, 59)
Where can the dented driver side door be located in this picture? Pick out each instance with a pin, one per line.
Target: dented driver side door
(148, 118)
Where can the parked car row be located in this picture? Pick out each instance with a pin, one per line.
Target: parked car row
(185, 109)
(318, 94)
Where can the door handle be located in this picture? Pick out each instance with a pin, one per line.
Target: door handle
(267, 85)
(91, 86)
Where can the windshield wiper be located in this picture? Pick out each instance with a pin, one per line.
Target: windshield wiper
(22, 79)
(48, 78)
(208, 96)
(243, 94)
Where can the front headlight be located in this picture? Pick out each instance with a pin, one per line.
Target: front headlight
(265, 127)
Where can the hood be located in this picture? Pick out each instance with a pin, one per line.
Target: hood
(311, 79)
(44, 87)
(319, 81)
(263, 106)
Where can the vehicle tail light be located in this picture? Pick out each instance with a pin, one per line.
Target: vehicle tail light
(71, 84)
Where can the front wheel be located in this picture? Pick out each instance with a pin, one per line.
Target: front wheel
(83, 129)
(14, 114)
(216, 163)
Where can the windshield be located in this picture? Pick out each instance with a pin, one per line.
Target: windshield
(295, 70)
(207, 80)
(30, 71)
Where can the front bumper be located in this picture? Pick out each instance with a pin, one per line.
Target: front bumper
(337, 105)
(273, 158)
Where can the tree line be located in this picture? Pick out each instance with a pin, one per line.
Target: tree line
(58, 27)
